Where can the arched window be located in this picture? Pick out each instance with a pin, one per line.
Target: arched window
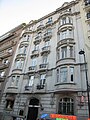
(66, 106)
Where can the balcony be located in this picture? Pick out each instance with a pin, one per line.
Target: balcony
(29, 89)
(25, 42)
(43, 67)
(62, 87)
(32, 68)
(40, 27)
(5, 54)
(41, 88)
(3, 66)
(67, 40)
(35, 53)
(47, 36)
(65, 13)
(49, 23)
(45, 49)
(65, 26)
(17, 70)
(12, 89)
(21, 55)
(37, 39)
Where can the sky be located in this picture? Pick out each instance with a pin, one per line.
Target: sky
(16, 12)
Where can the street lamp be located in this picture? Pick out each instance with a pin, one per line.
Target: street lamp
(82, 52)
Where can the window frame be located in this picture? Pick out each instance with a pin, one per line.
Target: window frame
(64, 106)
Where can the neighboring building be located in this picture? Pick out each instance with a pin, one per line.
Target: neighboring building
(8, 45)
(47, 74)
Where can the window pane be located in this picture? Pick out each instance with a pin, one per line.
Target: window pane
(45, 60)
(66, 106)
(63, 74)
(34, 62)
(71, 51)
(71, 73)
(17, 80)
(64, 52)
(31, 80)
(42, 80)
(57, 75)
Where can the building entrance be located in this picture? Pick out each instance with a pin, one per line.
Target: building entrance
(33, 109)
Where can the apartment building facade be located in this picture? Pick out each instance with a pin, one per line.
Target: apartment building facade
(8, 45)
(47, 74)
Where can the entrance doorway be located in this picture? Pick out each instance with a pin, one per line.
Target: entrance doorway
(33, 109)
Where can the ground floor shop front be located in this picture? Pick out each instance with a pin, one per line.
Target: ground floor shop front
(32, 106)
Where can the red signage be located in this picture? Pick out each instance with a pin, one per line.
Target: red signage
(67, 117)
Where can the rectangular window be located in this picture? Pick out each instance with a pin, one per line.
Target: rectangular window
(42, 79)
(70, 34)
(64, 52)
(71, 73)
(45, 60)
(50, 20)
(63, 74)
(36, 47)
(71, 51)
(58, 55)
(19, 64)
(64, 21)
(34, 62)
(21, 50)
(47, 43)
(57, 75)
(31, 79)
(63, 34)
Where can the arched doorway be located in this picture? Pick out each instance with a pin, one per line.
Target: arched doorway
(33, 109)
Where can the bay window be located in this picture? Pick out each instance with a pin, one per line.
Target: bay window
(65, 74)
(66, 34)
(15, 80)
(65, 20)
(22, 50)
(19, 63)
